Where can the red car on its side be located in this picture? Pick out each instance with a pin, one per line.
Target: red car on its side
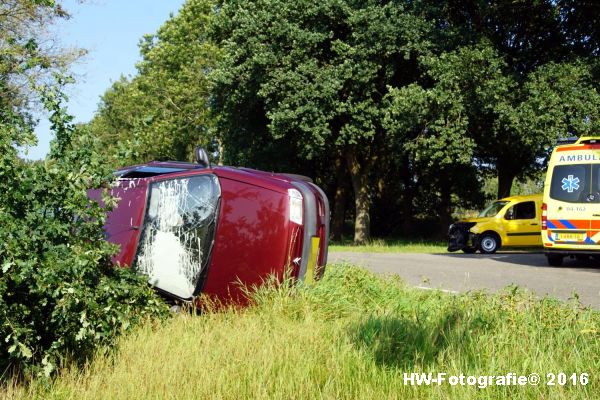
(196, 229)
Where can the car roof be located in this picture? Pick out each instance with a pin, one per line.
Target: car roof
(155, 168)
(158, 170)
(537, 196)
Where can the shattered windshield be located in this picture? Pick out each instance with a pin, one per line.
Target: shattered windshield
(492, 209)
(178, 233)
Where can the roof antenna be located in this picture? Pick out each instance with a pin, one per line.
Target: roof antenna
(201, 157)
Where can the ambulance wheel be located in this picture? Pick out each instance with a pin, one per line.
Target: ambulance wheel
(489, 243)
(469, 250)
(554, 260)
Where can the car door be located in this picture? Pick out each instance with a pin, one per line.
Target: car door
(522, 225)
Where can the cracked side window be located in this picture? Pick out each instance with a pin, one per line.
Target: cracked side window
(178, 233)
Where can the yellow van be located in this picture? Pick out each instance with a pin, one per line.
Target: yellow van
(510, 222)
(571, 216)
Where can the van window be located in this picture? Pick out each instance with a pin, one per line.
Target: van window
(576, 183)
(525, 210)
(492, 209)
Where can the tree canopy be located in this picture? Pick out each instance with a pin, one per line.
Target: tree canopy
(405, 108)
(59, 294)
(162, 112)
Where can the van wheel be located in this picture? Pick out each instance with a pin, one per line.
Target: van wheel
(554, 260)
(469, 250)
(489, 243)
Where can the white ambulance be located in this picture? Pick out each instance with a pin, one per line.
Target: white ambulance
(571, 203)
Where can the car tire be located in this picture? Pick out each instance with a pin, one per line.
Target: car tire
(554, 260)
(469, 250)
(489, 243)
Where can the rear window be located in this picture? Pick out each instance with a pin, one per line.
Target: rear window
(576, 183)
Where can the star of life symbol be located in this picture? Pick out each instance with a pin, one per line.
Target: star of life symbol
(570, 184)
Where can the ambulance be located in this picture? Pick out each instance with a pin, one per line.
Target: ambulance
(571, 203)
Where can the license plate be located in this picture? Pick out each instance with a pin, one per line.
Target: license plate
(570, 237)
(312, 260)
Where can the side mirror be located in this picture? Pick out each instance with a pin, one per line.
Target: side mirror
(201, 157)
(510, 213)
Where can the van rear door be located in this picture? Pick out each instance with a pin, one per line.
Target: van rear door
(574, 215)
(593, 205)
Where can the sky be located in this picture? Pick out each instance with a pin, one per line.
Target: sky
(110, 30)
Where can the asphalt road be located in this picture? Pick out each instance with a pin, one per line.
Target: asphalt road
(461, 272)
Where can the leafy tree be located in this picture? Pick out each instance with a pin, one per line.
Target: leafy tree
(430, 127)
(404, 107)
(510, 56)
(507, 124)
(59, 294)
(162, 112)
(311, 77)
(579, 20)
(23, 57)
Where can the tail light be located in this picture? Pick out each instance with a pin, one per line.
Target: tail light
(296, 207)
(544, 216)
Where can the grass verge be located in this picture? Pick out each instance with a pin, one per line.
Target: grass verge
(351, 336)
(390, 246)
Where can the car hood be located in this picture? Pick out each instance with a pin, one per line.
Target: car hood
(476, 220)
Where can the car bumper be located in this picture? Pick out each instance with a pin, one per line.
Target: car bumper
(572, 252)
(460, 237)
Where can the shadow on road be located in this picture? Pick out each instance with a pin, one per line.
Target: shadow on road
(533, 259)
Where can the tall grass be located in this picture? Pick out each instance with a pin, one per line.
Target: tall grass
(351, 336)
(390, 246)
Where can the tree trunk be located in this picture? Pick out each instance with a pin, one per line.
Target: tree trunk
(407, 197)
(221, 150)
(505, 181)
(445, 210)
(359, 175)
(339, 202)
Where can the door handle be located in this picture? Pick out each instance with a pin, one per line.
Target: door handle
(534, 223)
(596, 215)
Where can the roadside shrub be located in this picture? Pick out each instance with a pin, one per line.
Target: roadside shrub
(59, 295)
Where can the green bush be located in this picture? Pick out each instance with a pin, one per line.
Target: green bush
(60, 298)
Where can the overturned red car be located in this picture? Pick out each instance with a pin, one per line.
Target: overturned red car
(197, 229)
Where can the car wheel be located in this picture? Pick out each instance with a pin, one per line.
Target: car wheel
(554, 260)
(469, 250)
(489, 243)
